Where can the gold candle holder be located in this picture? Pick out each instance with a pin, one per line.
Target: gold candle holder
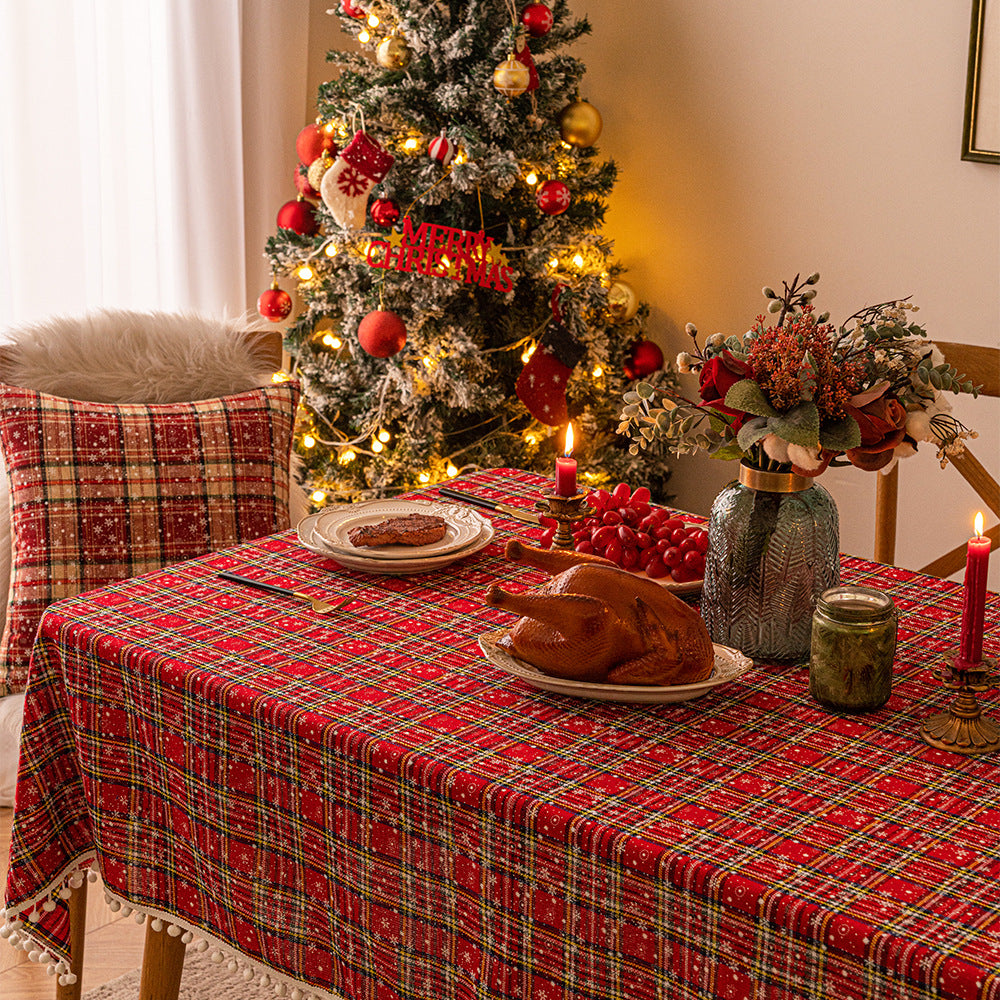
(565, 511)
(962, 727)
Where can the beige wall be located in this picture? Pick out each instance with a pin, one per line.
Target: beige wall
(758, 139)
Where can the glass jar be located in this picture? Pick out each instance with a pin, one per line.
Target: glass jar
(853, 645)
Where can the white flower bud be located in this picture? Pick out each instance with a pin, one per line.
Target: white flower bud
(684, 362)
(691, 330)
(768, 292)
(716, 340)
(812, 279)
(774, 306)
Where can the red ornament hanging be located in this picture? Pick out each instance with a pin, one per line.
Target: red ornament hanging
(299, 216)
(382, 333)
(537, 18)
(312, 142)
(303, 186)
(523, 56)
(442, 149)
(385, 212)
(553, 197)
(644, 359)
(275, 304)
(352, 9)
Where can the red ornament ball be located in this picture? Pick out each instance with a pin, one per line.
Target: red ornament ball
(275, 304)
(442, 149)
(385, 212)
(382, 333)
(299, 216)
(303, 186)
(553, 197)
(312, 141)
(537, 18)
(645, 359)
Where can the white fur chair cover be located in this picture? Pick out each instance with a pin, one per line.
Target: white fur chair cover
(121, 356)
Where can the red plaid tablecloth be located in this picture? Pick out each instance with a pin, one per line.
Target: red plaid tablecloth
(363, 804)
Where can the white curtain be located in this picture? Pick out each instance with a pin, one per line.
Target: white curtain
(123, 147)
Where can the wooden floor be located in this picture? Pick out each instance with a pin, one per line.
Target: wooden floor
(114, 944)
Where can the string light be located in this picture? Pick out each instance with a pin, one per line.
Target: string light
(411, 144)
(578, 260)
(428, 362)
(373, 21)
(363, 36)
(278, 377)
(308, 441)
(317, 496)
(305, 273)
(329, 340)
(553, 263)
(384, 435)
(531, 178)
(531, 438)
(331, 250)
(377, 446)
(528, 351)
(451, 470)
(424, 477)
(597, 372)
(461, 157)
(347, 456)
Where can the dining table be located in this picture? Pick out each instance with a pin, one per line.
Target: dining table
(362, 805)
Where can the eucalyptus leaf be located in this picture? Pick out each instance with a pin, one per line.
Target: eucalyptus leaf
(747, 396)
(644, 390)
(800, 425)
(753, 431)
(840, 435)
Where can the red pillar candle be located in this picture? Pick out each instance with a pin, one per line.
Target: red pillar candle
(976, 565)
(566, 468)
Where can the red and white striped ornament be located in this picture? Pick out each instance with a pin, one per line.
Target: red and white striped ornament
(442, 149)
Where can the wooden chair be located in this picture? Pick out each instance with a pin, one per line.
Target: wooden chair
(982, 365)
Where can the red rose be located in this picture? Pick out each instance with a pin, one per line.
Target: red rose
(717, 377)
(882, 423)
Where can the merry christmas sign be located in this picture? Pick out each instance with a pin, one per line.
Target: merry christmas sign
(443, 252)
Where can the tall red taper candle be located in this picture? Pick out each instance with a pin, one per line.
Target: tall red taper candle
(977, 562)
(566, 468)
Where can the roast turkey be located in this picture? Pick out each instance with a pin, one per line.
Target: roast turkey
(594, 622)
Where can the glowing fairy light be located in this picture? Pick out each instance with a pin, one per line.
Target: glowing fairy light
(424, 477)
(347, 456)
(308, 441)
(578, 260)
(411, 145)
(531, 178)
(363, 36)
(317, 496)
(384, 435)
(598, 371)
(451, 470)
(305, 273)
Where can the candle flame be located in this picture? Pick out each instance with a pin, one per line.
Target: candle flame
(979, 524)
(569, 443)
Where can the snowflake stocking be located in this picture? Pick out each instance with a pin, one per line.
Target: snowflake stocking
(361, 165)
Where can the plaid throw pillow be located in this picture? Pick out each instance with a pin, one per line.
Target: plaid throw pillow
(102, 492)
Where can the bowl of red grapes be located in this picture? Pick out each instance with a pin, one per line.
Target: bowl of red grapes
(641, 537)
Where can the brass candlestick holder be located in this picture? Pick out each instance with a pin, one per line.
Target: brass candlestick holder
(565, 511)
(962, 727)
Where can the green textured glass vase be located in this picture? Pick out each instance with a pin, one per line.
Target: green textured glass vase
(773, 548)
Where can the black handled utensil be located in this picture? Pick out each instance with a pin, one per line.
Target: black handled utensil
(518, 513)
(320, 607)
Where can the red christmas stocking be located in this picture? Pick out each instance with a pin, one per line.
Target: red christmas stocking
(361, 165)
(541, 386)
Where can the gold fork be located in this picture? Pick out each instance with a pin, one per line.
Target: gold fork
(320, 607)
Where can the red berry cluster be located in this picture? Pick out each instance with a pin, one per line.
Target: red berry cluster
(629, 531)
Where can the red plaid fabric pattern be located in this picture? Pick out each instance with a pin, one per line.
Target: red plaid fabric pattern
(366, 805)
(102, 492)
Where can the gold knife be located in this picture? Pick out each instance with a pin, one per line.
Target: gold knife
(517, 513)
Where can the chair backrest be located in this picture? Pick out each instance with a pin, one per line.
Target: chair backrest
(982, 366)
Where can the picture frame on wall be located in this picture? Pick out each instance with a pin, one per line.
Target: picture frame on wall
(981, 130)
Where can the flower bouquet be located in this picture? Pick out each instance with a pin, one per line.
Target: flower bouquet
(802, 394)
(788, 400)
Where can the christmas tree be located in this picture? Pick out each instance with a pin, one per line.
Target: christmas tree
(460, 303)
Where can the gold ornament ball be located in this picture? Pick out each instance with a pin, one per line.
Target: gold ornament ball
(317, 168)
(393, 53)
(580, 124)
(623, 303)
(511, 77)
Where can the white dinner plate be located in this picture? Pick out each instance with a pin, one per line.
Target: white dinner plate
(388, 567)
(729, 664)
(333, 525)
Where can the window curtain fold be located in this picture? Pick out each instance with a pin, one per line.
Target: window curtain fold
(125, 175)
